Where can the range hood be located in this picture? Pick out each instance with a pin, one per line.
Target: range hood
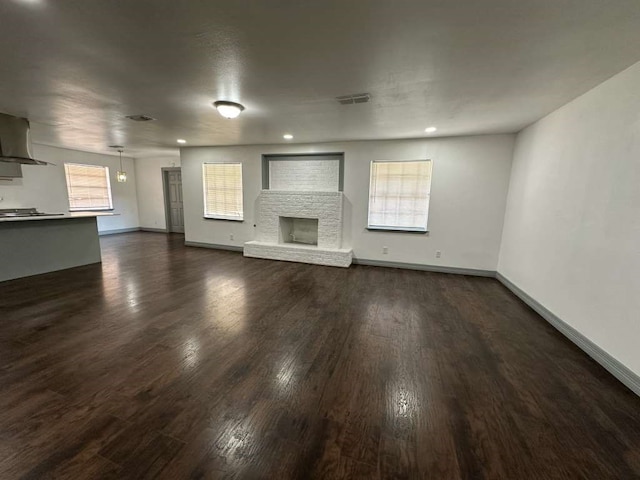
(15, 144)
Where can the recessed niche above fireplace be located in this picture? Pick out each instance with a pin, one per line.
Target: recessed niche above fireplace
(303, 173)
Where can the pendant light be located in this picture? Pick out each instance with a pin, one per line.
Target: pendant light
(121, 175)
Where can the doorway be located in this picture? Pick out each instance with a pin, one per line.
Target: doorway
(174, 211)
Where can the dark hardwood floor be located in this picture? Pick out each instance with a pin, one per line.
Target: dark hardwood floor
(172, 362)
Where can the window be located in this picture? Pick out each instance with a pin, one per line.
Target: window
(88, 187)
(399, 195)
(223, 191)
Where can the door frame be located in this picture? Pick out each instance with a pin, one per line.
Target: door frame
(165, 193)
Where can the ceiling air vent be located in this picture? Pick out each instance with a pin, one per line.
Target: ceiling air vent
(356, 98)
(140, 118)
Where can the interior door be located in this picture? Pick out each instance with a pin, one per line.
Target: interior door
(176, 211)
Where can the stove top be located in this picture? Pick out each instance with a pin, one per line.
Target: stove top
(25, 212)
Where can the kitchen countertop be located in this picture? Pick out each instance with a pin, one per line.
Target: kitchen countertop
(66, 216)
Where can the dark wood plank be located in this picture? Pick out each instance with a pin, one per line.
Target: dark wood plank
(173, 362)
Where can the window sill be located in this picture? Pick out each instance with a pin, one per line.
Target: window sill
(225, 219)
(398, 230)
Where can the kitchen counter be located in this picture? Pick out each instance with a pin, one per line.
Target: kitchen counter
(64, 216)
(42, 244)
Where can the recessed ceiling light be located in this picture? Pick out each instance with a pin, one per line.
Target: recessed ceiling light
(228, 109)
(181, 140)
(430, 129)
(287, 136)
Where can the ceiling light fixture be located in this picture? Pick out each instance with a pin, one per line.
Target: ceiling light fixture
(430, 129)
(228, 109)
(287, 136)
(181, 140)
(121, 175)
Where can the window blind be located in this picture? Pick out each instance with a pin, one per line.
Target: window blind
(399, 195)
(223, 191)
(88, 187)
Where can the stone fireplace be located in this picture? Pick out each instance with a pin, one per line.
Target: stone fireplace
(300, 227)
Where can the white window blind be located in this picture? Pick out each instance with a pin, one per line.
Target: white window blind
(88, 187)
(223, 191)
(399, 195)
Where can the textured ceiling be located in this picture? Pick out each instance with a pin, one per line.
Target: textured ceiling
(77, 67)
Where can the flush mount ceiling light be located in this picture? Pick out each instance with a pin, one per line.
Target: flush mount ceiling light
(430, 129)
(287, 136)
(228, 109)
(181, 140)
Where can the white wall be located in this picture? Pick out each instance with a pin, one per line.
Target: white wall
(150, 194)
(470, 181)
(45, 188)
(572, 228)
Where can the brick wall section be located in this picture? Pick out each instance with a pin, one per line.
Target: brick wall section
(325, 206)
(296, 253)
(304, 175)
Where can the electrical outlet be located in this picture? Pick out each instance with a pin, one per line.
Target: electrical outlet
(438, 253)
(385, 250)
(231, 237)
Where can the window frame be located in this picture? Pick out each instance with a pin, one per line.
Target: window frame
(109, 190)
(227, 218)
(398, 229)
